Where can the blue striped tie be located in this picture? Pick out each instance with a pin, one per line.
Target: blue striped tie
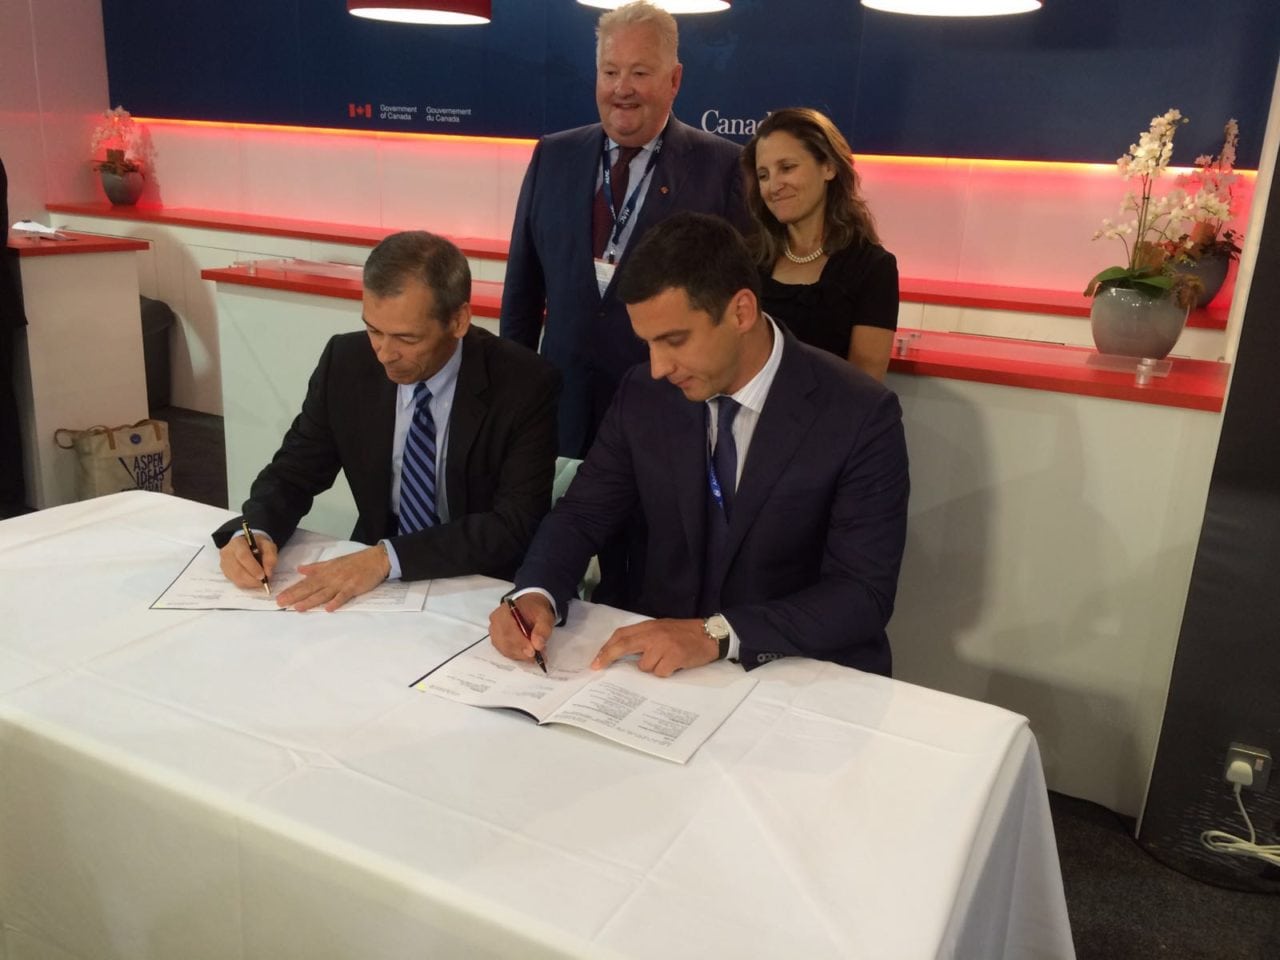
(418, 468)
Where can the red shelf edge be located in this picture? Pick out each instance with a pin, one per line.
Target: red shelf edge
(327, 232)
(486, 297)
(926, 361)
(72, 242)
(911, 290)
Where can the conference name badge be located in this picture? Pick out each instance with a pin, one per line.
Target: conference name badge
(604, 273)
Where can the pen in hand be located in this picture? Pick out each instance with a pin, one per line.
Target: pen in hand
(524, 628)
(257, 553)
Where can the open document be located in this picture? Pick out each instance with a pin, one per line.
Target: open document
(669, 718)
(201, 585)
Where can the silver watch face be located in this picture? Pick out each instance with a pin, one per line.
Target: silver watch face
(717, 627)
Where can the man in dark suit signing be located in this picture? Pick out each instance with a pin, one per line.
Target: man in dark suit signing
(772, 477)
(572, 230)
(445, 432)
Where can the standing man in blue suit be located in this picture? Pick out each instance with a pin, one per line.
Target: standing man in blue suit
(772, 477)
(572, 234)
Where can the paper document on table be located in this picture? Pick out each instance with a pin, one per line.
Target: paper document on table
(38, 230)
(202, 586)
(668, 717)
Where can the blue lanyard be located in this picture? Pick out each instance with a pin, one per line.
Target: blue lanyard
(628, 208)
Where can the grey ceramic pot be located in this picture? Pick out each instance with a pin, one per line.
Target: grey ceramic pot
(1212, 271)
(122, 189)
(1131, 324)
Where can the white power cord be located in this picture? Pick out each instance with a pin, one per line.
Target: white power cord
(1218, 841)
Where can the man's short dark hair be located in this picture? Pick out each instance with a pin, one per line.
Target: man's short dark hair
(700, 254)
(431, 260)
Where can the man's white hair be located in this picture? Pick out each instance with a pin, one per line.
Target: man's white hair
(641, 13)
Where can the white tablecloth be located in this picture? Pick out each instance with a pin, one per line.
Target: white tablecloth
(179, 784)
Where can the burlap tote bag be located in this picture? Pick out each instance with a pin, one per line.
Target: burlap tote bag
(111, 459)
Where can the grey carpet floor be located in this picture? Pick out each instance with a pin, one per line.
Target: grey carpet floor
(1125, 904)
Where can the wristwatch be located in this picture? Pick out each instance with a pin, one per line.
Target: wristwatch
(717, 628)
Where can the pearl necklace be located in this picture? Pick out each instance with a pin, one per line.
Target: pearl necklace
(808, 258)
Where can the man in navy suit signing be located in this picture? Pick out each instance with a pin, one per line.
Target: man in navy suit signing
(772, 478)
(446, 435)
(589, 195)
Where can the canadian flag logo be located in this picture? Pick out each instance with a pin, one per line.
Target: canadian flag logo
(360, 110)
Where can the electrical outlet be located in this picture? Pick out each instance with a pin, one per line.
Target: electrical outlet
(1258, 759)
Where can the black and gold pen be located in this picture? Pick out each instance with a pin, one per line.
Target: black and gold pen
(528, 633)
(257, 554)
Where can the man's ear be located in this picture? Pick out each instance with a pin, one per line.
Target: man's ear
(745, 309)
(461, 321)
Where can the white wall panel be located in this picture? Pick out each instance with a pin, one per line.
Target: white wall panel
(196, 354)
(271, 341)
(196, 167)
(53, 80)
(442, 187)
(1050, 545)
(921, 221)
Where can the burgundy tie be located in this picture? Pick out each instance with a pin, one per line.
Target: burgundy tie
(601, 222)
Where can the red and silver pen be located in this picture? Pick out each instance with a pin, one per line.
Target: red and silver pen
(528, 633)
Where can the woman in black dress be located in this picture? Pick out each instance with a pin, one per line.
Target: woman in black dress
(825, 275)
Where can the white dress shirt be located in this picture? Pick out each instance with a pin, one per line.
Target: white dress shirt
(751, 398)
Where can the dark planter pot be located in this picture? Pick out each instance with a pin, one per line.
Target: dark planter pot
(1212, 271)
(1131, 324)
(122, 189)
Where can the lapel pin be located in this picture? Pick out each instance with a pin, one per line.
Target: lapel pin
(663, 191)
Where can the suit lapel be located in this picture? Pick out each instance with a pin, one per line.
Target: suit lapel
(783, 424)
(382, 394)
(585, 171)
(465, 420)
(664, 184)
(686, 460)
(580, 190)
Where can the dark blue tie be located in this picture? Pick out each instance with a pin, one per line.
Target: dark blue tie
(418, 468)
(724, 461)
(725, 455)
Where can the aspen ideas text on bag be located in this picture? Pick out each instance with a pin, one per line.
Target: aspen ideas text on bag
(111, 459)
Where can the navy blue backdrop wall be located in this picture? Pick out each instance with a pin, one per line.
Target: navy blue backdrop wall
(1075, 81)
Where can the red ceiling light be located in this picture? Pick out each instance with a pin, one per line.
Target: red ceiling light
(423, 11)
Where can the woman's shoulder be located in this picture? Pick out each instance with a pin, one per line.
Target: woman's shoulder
(859, 263)
(863, 254)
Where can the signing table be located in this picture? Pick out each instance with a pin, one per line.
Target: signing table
(265, 785)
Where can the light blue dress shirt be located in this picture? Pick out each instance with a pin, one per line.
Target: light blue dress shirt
(443, 384)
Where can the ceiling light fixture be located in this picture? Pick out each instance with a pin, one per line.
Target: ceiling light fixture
(447, 12)
(954, 8)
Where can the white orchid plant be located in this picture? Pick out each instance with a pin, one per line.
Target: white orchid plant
(119, 145)
(1212, 189)
(1156, 224)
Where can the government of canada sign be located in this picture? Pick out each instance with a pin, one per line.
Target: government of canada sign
(712, 122)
